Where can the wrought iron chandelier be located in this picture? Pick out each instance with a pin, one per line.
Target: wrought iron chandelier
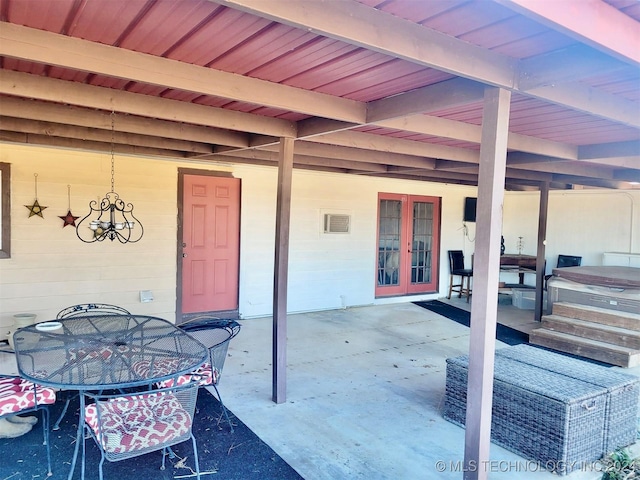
(112, 218)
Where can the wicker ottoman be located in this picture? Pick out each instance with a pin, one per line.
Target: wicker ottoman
(623, 390)
(541, 415)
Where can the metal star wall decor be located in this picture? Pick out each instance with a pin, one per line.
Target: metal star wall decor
(69, 218)
(35, 208)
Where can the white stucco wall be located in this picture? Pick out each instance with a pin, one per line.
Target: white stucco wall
(51, 269)
(326, 271)
(586, 223)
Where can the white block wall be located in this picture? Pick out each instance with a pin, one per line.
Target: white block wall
(51, 269)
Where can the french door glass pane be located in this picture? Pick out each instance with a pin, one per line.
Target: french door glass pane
(389, 242)
(422, 239)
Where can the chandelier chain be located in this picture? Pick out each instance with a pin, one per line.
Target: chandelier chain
(113, 129)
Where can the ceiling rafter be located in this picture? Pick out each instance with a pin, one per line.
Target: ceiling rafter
(591, 182)
(309, 160)
(49, 89)
(182, 125)
(443, 127)
(71, 115)
(50, 129)
(89, 145)
(610, 151)
(379, 143)
(441, 95)
(356, 143)
(567, 168)
(567, 65)
(357, 24)
(49, 48)
(449, 166)
(356, 154)
(528, 160)
(593, 22)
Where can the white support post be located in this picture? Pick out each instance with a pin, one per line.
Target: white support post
(486, 269)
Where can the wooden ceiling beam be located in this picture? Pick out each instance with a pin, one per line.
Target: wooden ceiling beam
(521, 159)
(439, 96)
(48, 48)
(308, 160)
(367, 27)
(60, 91)
(379, 143)
(568, 65)
(88, 145)
(568, 168)
(593, 22)
(436, 175)
(610, 151)
(96, 135)
(359, 155)
(627, 175)
(443, 127)
(314, 126)
(83, 117)
(591, 182)
(583, 98)
(449, 166)
(358, 24)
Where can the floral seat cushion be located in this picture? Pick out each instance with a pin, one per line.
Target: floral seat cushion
(160, 367)
(140, 422)
(204, 374)
(18, 394)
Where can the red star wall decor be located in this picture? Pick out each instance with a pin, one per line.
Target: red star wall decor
(68, 219)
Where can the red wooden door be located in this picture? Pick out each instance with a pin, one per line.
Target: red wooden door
(408, 244)
(211, 243)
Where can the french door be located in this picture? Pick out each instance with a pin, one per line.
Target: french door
(408, 244)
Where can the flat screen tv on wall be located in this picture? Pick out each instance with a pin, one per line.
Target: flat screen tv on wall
(470, 209)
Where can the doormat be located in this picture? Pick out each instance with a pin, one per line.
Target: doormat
(240, 455)
(505, 334)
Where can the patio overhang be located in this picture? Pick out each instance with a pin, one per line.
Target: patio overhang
(503, 94)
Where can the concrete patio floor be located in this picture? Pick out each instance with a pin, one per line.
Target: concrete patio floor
(365, 391)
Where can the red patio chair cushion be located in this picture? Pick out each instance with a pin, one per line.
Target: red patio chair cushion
(203, 373)
(138, 422)
(160, 367)
(17, 395)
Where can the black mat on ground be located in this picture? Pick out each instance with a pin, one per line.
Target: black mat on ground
(240, 455)
(505, 334)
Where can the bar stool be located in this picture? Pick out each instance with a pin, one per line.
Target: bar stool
(456, 269)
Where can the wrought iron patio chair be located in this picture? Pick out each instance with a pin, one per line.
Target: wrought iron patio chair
(84, 309)
(81, 310)
(126, 426)
(215, 334)
(19, 396)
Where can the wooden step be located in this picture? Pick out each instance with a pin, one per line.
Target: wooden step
(584, 347)
(614, 318)
(595, 331)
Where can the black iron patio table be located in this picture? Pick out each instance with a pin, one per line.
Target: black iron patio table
(104, 352)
